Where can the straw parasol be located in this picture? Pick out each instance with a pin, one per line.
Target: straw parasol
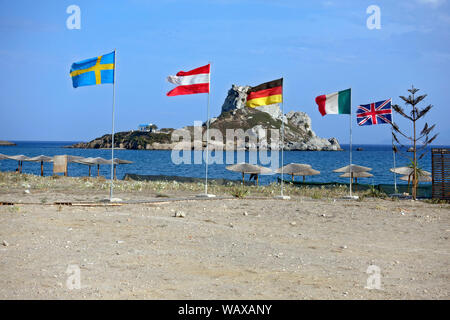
(74, 158)
(18, 158)
(41, 159)
(249, 168)
(98, 161)
(293, 168)
(3, 156)
(87, 161)
(422, 178)
(119, 161)
(356, 175)
(407, 171)
(299, 169)
(353, 168)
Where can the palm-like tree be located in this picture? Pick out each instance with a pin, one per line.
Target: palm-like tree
(422, 138)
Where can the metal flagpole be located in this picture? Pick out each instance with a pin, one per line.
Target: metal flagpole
(393, 151)
(207, 137)
(282, 138)
(207, 134)
(351, 168)
(282, 196)
(207, 140)
(112, 138)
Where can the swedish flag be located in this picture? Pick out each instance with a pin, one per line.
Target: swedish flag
(92, 71)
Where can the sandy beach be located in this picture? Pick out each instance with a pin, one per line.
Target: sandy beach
(163, 243)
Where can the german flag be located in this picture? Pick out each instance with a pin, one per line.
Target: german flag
(266, 93)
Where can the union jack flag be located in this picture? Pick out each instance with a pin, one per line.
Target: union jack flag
(375, 113)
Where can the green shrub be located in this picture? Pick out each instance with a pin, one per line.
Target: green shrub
(239, 192)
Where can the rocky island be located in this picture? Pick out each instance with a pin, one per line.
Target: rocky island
(256, 122)
(6, 143)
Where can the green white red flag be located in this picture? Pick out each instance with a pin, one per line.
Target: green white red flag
(335, 103)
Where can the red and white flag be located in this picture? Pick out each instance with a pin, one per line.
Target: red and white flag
(190, 82)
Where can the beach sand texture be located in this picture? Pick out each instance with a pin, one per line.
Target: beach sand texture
(251, 248)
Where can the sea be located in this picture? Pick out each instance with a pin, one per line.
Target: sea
(187, 164)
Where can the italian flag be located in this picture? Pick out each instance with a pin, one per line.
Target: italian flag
(335, 103)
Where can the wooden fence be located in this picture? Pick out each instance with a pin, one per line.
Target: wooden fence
(440, 165)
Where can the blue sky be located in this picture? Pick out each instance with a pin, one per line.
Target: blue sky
(318, 47)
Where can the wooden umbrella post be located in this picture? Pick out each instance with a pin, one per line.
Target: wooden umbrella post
(89, 170)
(256, 179)
(42, 168)
(115, 172)
(243, 182)
(98, 170)
(292, 177)
(303, 178)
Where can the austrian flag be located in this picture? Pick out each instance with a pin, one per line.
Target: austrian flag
(190, 82)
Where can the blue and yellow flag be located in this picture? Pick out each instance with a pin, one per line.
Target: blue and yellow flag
(92, 71)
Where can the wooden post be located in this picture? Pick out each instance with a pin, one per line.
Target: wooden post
(89, 171)
(256, 179)
(303, 178)
(115, 172)
(42, 168)
(98, 170)
(243, 178)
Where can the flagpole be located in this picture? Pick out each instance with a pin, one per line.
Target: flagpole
(112, 135)
(282, 196)
(351, 168)
(282, 139)
(207, 133)
(207, 139)
(393, 150)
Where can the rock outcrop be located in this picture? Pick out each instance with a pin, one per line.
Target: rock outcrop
(237, 97)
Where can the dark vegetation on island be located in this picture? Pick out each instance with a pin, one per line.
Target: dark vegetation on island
(6, 143)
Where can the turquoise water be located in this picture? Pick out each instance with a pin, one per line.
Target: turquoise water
(159, 162)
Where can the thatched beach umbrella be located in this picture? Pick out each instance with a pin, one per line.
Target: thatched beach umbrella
(74, 158)
(249, 168)
(87, 161)
(41, 159)
(353, 168)
(407, 171)
(119, 161)
(3, 156)
(357, 175)
(307, 172)
(299, 170)
(293, 169)
(419, 179)
(19, 158)
(98, 161)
